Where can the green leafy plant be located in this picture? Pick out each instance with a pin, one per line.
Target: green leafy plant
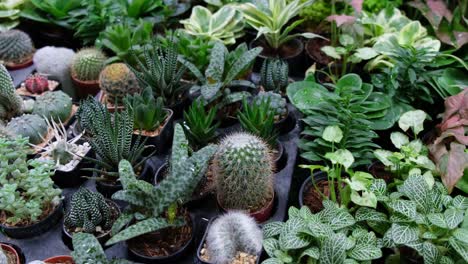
(224, 25)
(271, 20)
(423, 217)
(412, 156)
(330, 236)
(449, 149)
(222, 73)
(154, 208)
(259, 120)
(356, 188)
(52, 11)
(110, 136)
(27, 188)
(161, 70)
(199, 124)
(353, 106)
(277, 104)
(221, 3)
(374, 6)
(314, 15)
(148, 112)
(87, 249)
(10, 14)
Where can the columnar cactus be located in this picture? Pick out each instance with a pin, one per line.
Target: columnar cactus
(117, 80)
(54, 106)
(274, 75)
(32, 126)
(276, 102)
(244, 167)
(88, 64)
(231, 233)
(37, 83)
(87, 211)
(16, 47)
(10, 102)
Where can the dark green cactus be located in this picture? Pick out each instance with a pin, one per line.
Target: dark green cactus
(16, 47)
(32, 126)
(54, 106)
(118, 81)
(244, 167)
(88, 64)
(274, 75)
(10, 102)
(87, 211)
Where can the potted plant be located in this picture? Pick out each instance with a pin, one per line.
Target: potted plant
(12, 102)
(155, 217)
(67, 155)
(223, 75)
(87, 249)
(91, 213)
(16, 49)
(34, 205)
(274, 75)
(56, 106)
(199, 124)
(244, 175)
(85, 69)
(271, 22)
(150, 119)
(231, 238)
(10, 14)
(284, 119)
(109, 135)
(36, 85)
(9, 254)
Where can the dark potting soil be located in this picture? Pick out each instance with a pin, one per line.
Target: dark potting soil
(285, 51)
(313, 48)
(313, 199)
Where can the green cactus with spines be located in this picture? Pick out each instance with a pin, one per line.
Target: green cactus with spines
(88, 210)
(274, 75)
(16, 47)
(10, 102)
(87, 64)
(276, 102)
(29, 125)
(244, 168)
(55, 106)
(117, 80)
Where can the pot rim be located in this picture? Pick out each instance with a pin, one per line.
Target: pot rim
(11, 249)
(300, 49)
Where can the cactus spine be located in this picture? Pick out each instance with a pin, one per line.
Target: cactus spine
(244, 168)
(37, 83)
(10, 102)
(32, 126)
(87, 64)
(54, 106)
(274, 75)
(231, 233)
(117, 80)
(16, 47)
(87, 211)
(276, 102)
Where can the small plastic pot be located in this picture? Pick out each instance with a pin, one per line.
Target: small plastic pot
(15, 251)
(85, 88)
(202, 242)
(163, 140)
(67, 237)
(35, 229)
(286, 124)
(73, 178)
(318, 177)
(281, 159)
(260, 215)
(59, 259)
(166, 259)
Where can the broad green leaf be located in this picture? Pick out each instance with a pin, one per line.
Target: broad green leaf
(453, 217)
(430, 253)
(460, 247)
(437, 219)
(366, 53)
(383, 156)
(312, 252)
(414, 120)
(461, 234)
(271, 245)
(460, 202)
(346, 40)
(348, 83)
(404, 207)
(404, 233)
(369, 214)
(333, 249)
(399, 139)
(332, 134)
(272, 229)
(342, 156)
(363, 252)
(331, 52)
(291, 237)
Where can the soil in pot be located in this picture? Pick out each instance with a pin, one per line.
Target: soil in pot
(163, 243)
(378, 170)
(241, 257)
(313, 198)
(11, 254)
(286, 51)
(313, 49)
(25, 223)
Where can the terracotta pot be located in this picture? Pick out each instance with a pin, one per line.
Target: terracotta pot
(85, 88)
(260, 215)
(14, 66)
(59, 259)
(11, 249)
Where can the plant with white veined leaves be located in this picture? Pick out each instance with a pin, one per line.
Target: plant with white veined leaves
(328, 237)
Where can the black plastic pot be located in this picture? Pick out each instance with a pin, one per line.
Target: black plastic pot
(163, 141)
(182, 104)
(37, 228)
(318, 177)
(200, 246)
(19, 252)
(286, 124)
(74, 178)
(167, 259)
(281, 159)
(296, 61)
(67, 237)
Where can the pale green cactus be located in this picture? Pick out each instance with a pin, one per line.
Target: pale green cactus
(32, 126)
(54, 106)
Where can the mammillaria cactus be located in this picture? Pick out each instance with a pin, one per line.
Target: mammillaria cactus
(16, 47)
(231, 233)
(54, 106)
(274, 75)
(10, 102)
(277, 103)
(117, 80)
(32, 126)
(87, 64)
(37, 83)
(244, 168)
(88, 210)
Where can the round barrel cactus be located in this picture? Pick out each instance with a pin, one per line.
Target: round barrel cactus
(117, 80)
(87, 64)
(54, 106)
(32, 126)
(37, 83)
(244, 168)
(16, 47)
